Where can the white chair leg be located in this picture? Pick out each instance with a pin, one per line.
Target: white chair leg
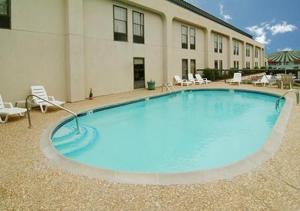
(5, 119)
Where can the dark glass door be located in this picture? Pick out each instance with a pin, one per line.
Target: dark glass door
(139, 73)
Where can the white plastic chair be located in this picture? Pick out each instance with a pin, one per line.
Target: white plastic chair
(193, 80)
(178, 80)
(9, 110)
(199, 78)
(237, 78)
(41, 92)
(263, 81)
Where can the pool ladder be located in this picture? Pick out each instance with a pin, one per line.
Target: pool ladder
(282, 96)
(168, 86)
(65, 109)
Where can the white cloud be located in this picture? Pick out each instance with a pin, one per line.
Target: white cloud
(261, 31)
(224, 16)
(285, 49)
(281, 28)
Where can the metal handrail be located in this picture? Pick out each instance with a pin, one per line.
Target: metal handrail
(67, 110)
(282, 96)
(168, 87)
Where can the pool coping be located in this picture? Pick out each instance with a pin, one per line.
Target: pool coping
(227, 172)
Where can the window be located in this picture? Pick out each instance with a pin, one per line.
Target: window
(192, 38)
(184, 37)
(216, 43)
(256, 53)
(236, 48)
(216, 64)
(256, 65)
(193, 66)
(236, 65)
(248, 65)
(220, 44)
(5, 14)
(120, 23)
(247, 50)
(185, 68)
(138, 27)
(221, 65)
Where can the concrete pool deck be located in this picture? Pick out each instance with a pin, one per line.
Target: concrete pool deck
(29, 181)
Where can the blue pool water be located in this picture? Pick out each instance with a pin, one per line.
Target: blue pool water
(181, 132)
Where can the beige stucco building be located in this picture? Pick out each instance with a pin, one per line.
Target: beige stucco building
(110, 46)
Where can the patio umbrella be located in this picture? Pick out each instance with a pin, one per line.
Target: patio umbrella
(284, 57)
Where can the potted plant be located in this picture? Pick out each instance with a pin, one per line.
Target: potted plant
(151, 85)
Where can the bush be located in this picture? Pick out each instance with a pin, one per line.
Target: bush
(214, 74)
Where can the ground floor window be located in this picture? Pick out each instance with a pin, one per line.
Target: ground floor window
(216, 64)
(193, 66)
(248, 65)
(221, 65)
(236, 65)
(185, 68)
(5, 14)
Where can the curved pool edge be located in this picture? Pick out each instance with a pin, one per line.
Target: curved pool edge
(203, 176)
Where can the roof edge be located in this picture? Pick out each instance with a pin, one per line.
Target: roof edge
(201, 12)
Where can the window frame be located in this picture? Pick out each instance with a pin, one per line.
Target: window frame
(184, 45)
(5, 20)
(220, 40)
(195, 68)
(187, 68)
(216, 64)
(136, 38)
(193, 37)
(216, 43)
(123, 37)
(220, 64)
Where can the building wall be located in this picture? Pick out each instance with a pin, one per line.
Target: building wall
(178, 53)
(32, 52)
(109, 63)
(68, 46)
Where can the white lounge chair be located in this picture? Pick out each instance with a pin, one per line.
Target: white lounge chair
(237, 78)
(193, 80)
(263, 81)
(41, 92)
(178, 80)
(9, 110)
(204, 80)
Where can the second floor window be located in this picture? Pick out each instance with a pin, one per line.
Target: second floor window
(120, 23)
(236, 48)
(184, 37)
(192, 38)
(216, 43)
(5, 14)
(220, 44)
(138, 27)
(248, 50)
(256, 53)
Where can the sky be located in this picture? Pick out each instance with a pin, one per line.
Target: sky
(275, 23)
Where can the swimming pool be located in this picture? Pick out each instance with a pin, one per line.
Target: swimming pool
(180, 132)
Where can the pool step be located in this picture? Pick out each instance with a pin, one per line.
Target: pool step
(64, 133)
(70, 138)
(70, 144)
